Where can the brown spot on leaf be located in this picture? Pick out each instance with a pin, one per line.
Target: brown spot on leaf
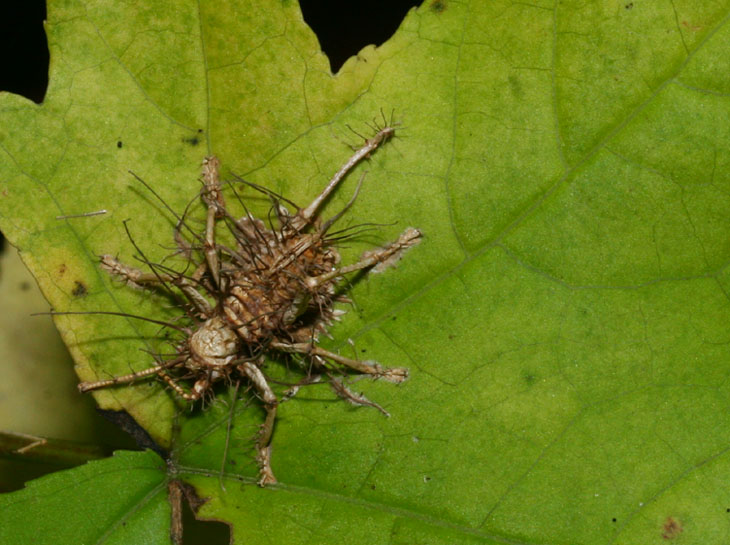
(62, 269)
(690, 26)
(79, 289)
(438, 6)
(671, 528)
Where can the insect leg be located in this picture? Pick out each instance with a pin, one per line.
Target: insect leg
(305, 215)
(342, 390)
(140, 278)
(393, 374)
(381, 257)
(131, 275)
(263, 441)
(157, 369)
(194, 395)
(213, 198)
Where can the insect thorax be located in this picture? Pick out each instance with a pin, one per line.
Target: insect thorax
(267, 292)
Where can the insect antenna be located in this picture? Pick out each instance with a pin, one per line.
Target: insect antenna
(369, 225)
(179, 219)
(177, 274)
(233, 254)
(259, 235)
(163, 268)
(376, 123)
(392, 116)
(274, 207)
(243, 239)
(354, 231)
(275, 198)
(356, 134)
(345, 285)
(151, 265)
(159, 356)
(111, 313)
(333, 219)
(189, 262)
(373, 126)
(238, 233)
(183, 244)
(264, 190)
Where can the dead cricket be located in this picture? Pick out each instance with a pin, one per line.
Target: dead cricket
(272, 293)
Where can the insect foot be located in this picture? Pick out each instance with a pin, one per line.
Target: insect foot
(269, 295)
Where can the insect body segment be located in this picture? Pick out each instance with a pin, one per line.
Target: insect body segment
(273, 293)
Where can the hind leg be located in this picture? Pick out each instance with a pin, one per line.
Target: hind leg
(263, 441)
(374, 369)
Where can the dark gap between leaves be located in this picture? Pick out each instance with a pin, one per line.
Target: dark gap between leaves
(344, 28)
(185, 529)
(203, 532)
(24, 64)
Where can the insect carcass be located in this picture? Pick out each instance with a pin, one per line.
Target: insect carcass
(273, 293)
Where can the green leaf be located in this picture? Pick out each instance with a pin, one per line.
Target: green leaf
(117, 500)
(564, 320)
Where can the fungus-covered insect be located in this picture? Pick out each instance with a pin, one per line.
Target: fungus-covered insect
(272, 293)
